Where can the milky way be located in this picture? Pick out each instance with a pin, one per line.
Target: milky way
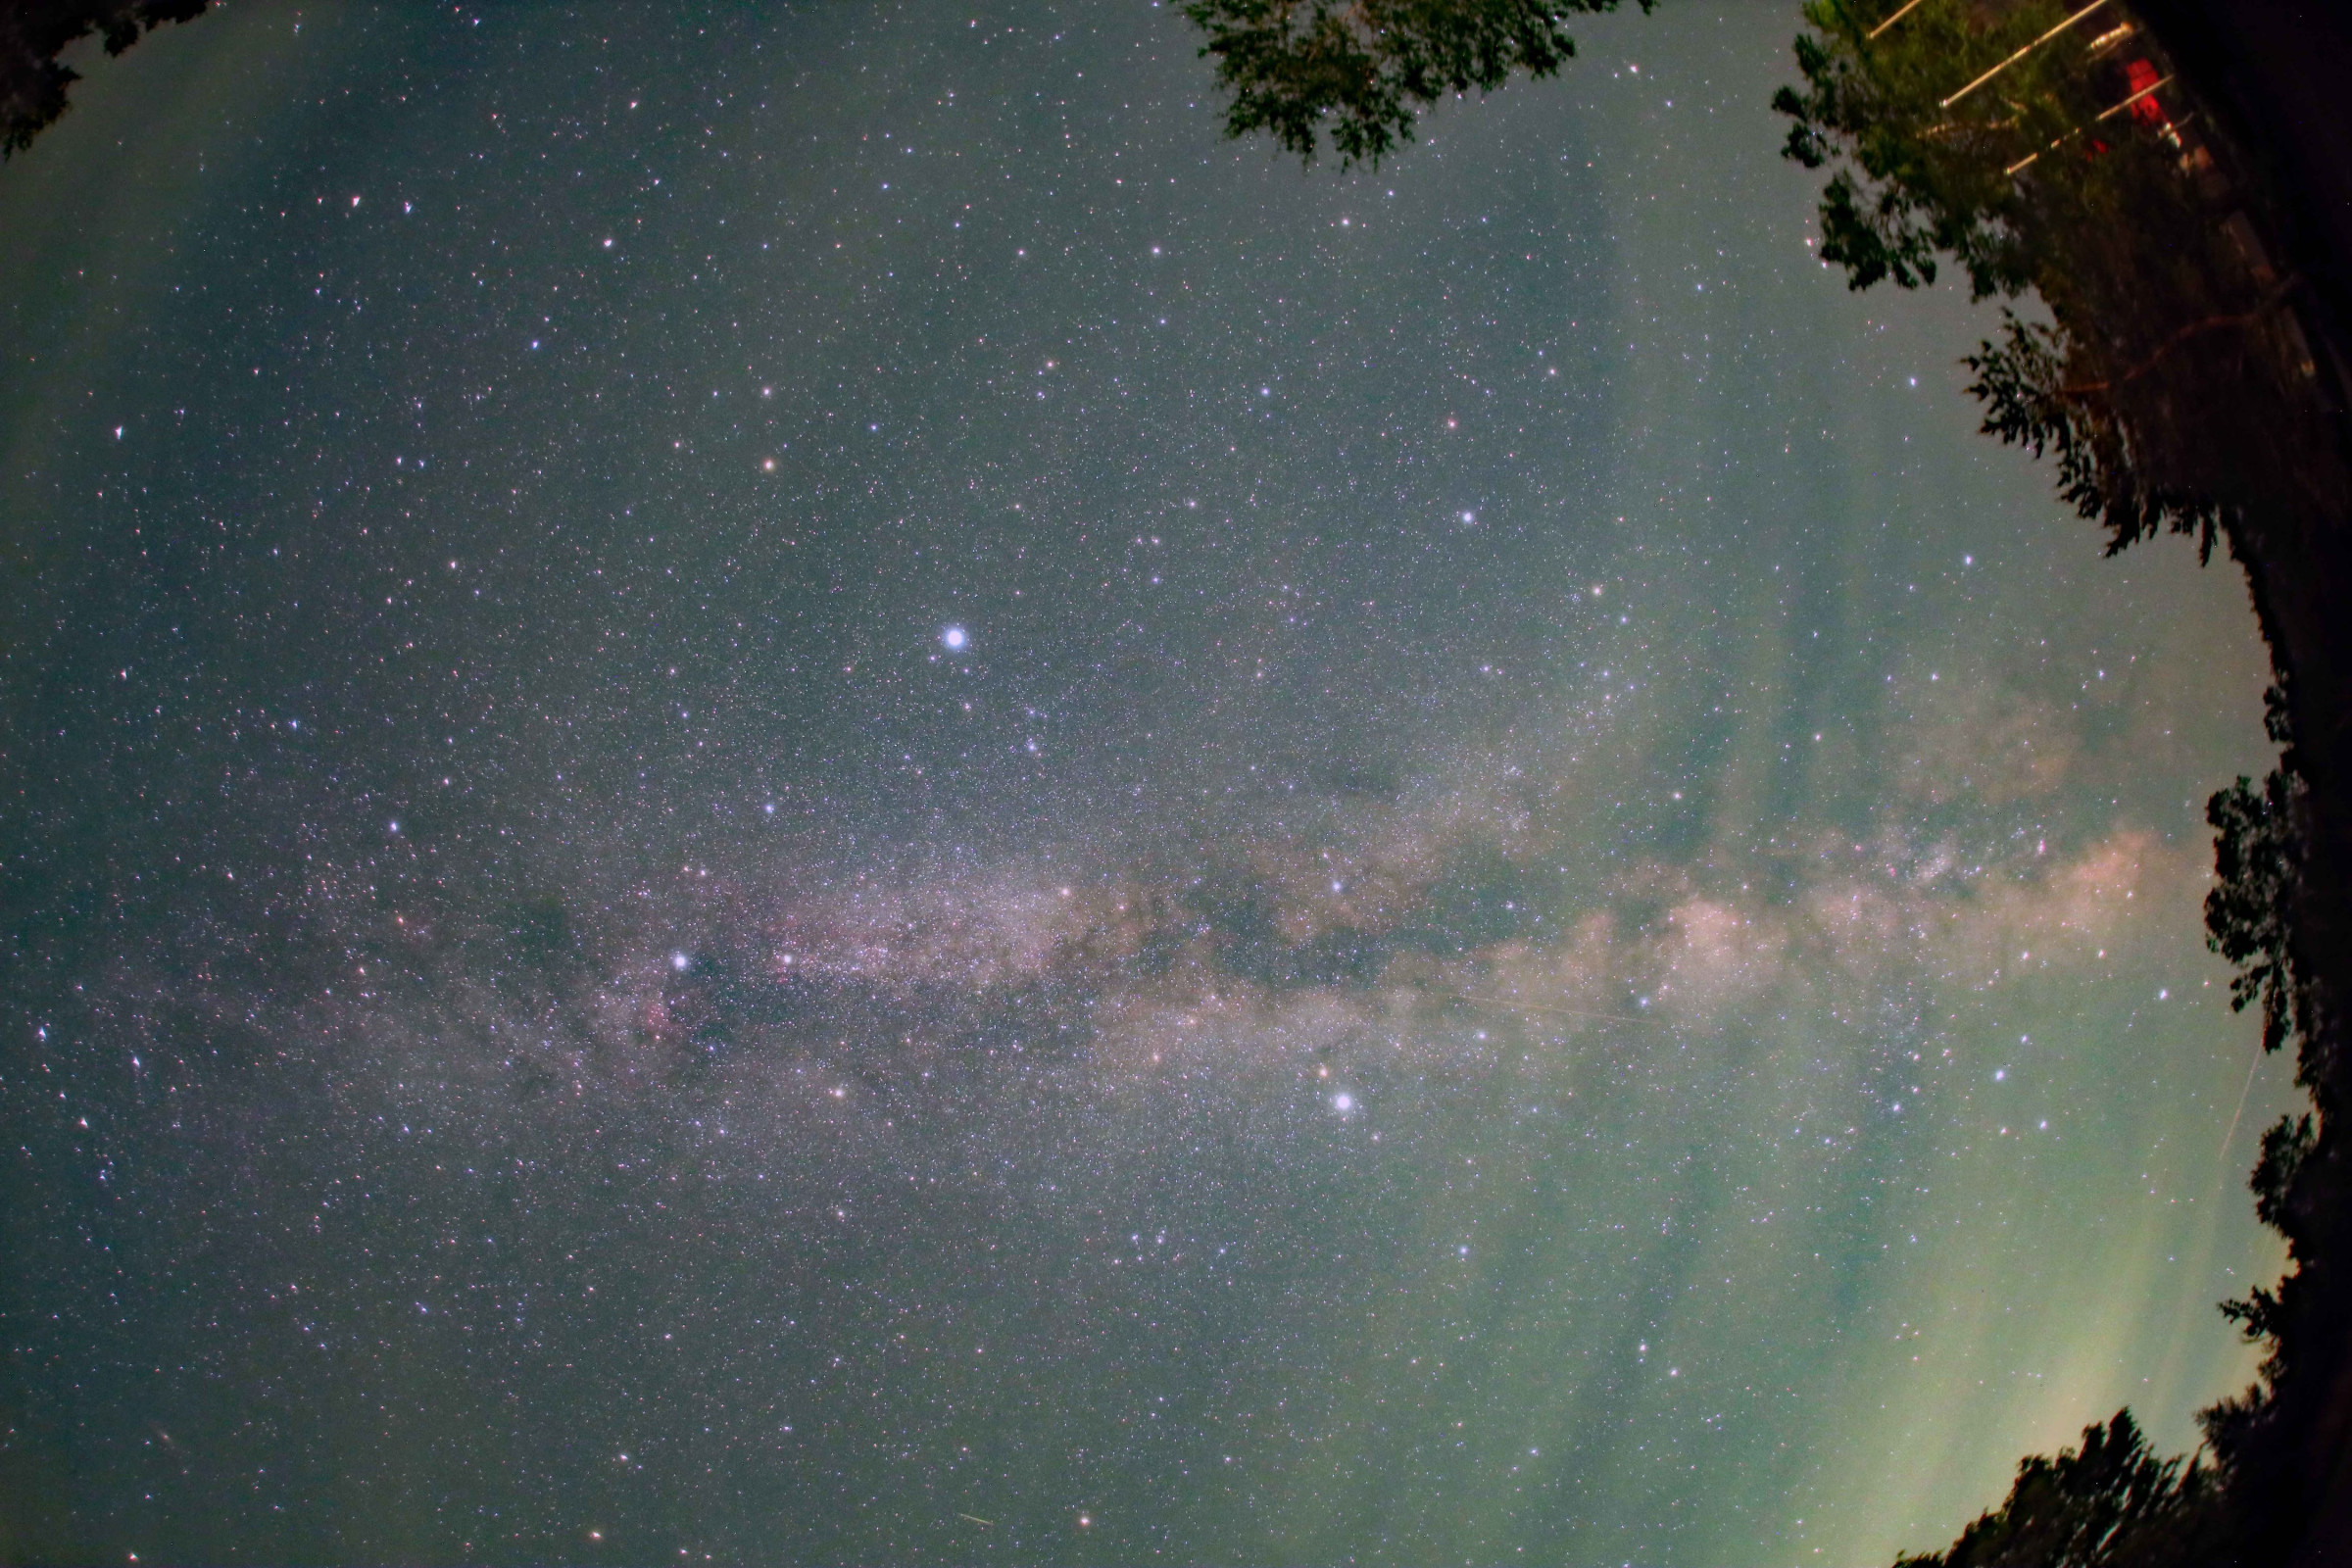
(795, 787)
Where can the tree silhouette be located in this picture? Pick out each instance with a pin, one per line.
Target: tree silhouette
(1356, 71)
(2247, 911)
(2173, 383)
(34, 32)
(2057, 178)
(2109, 1504)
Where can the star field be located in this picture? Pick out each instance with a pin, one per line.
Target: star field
(790, 785)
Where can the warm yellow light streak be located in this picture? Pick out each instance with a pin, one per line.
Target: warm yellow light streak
(2106, 116)
(1899, 15)
(2022, 53)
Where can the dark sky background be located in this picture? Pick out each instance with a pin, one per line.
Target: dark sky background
(786, 784)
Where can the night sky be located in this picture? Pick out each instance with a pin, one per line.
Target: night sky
(787, 784)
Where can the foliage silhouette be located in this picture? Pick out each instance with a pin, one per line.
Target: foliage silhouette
(1356, 73)
(2109, 1504)
(34, 32)
(2247, 910)
(2173, 385)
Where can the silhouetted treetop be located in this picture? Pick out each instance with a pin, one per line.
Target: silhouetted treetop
(1356, 71)
(2111, 1504)
(34, 32)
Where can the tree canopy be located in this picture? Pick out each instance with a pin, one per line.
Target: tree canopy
(2111, 1504)
(34, 32)
(1354, 73)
